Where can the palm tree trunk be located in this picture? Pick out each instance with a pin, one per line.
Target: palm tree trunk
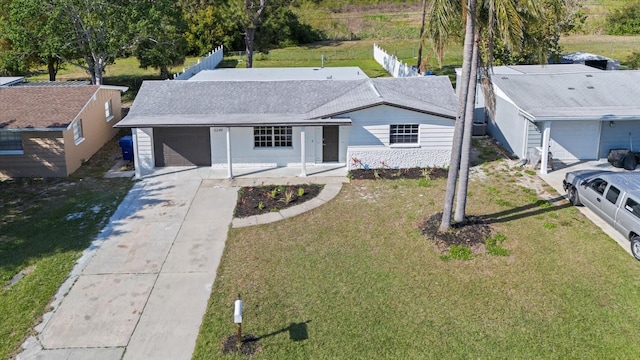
(459, 125)
(465, 156)
(424, 15)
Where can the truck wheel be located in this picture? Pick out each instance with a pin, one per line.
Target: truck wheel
(572, 194)
(635, 247)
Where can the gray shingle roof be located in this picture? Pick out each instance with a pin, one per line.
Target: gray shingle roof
(220, 103)
(596, 95)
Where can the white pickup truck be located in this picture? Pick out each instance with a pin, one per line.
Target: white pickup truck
(614, 196)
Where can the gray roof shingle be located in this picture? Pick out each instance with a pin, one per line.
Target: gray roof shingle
(600, 94)
(220, 103)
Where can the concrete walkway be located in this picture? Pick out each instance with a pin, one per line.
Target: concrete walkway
(140, 291)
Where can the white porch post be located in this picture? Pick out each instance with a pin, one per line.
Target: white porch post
(303, 154)
(136, 157)
(229, 167)
(546, 134)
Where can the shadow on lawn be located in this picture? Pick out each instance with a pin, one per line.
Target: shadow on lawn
(297, 332)
(532, 209)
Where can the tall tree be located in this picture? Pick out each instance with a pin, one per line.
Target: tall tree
(101, 29)
(161, 42)
(456, 149)
(253, 14)
(35, 34)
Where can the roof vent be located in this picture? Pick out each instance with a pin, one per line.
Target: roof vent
(590, 87)
(504, 78)
(589, 75)
(572, 88)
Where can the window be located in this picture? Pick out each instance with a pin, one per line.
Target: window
(272, 136)
(404, 134)
(10, 142)
(633, 207)
(598, 185)
(612, 194)
(108, 113)
(77, 131)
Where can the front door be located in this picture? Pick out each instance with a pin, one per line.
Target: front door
(330, 144)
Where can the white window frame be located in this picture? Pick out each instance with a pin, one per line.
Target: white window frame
(270, 137)
(78, 135)
(108, 110)
(14, 151)
(414, 130)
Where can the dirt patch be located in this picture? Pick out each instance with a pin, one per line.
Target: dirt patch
(257, 200)
(391, 174)
(471, 232)
(249, 345)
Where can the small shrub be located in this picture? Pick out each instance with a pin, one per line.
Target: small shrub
(300, 192)
(273, 193)
(349, 175)
(261, 205)
(425, 182)
(458, 252)
(494, 246)
(376, 175)
(288, 196)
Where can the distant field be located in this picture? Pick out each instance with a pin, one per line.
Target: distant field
(596, 11)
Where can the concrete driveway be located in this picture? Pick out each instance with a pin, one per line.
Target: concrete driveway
(554, 179)
(142, 288)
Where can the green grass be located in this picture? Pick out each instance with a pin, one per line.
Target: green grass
(367, 285)
(38, 240)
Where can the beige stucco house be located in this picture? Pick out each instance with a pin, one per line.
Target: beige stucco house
(49, 131)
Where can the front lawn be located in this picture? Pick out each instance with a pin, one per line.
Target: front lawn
(356, 279)
(45, 224)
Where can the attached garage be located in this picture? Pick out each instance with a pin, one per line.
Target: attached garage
(575, 140)
(182, 146)
(619, 135)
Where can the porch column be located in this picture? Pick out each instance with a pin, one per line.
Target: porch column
(303, 154)
(229, 167)
(546, 134)
(136, 159)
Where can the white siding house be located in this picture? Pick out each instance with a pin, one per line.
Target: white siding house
(575, 116)
(398, 123)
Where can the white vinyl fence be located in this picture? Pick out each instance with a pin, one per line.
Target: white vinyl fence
(391, 63)
(208, 63)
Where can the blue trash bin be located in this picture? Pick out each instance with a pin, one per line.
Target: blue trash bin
(126, 144)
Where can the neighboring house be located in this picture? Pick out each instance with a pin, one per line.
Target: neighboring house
(48, 130)
(592, 60)
(379, 122)
(576, 116)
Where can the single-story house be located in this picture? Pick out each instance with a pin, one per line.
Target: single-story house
(48, 130)
(576, 116)
(405, 122)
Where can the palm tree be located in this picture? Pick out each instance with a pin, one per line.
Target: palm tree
(459, 124)
(494, 16)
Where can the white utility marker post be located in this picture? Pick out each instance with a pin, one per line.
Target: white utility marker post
(237, 318)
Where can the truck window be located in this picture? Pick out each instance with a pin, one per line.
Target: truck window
(633, 207)
(598, 185)
(612, 194)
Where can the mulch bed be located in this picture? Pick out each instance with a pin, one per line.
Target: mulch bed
(472, 232)
(390, 174)
(249, 345)
(257, 200)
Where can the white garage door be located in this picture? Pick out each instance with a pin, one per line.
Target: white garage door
(575, 140)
